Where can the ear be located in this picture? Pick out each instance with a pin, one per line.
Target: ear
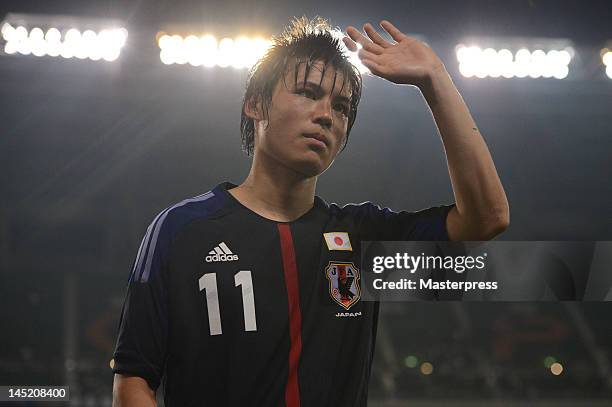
(253, 108)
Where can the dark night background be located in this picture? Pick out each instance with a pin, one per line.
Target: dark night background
(90, 152)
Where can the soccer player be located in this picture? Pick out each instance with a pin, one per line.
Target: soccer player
(250, 295)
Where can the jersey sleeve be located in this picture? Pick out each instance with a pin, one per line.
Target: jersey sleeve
(385, 224)
(143, 327)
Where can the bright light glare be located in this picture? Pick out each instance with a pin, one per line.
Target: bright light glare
(475, 62)
(192, 50)
(352, 56)
(90, 45)
(53, 35)
(556, 368)
(121, 35)
(239, 53)
(225, 52)
(536, 67)
(504, 58)
(561, 72)
(205, 51)
(10, 48)
(164, 41)
(427, 368)
(21, 33)
(36, 34)
(105, 45)
(7, 31)
(166, 56)
(37, 42)
(242, 53)
(208, 45)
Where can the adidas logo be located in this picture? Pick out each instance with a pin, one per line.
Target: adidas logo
(221, 253)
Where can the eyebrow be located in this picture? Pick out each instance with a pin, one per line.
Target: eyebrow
(319, 89)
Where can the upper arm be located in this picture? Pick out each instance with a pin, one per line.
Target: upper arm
(131, 391)
(141, 347)
(377, 223)
(459, 228)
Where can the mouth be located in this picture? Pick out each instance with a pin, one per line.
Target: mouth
(319, 137)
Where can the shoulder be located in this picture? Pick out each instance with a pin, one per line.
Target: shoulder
(369, 209)
(387, 224)
(353, 210)
(205, 206)
(155, 246)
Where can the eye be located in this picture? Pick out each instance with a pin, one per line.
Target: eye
(342, 108)
(307, 93)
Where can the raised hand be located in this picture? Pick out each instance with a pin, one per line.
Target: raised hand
(405, 61)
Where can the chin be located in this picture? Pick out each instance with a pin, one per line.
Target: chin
(308, 163)
(310, 168)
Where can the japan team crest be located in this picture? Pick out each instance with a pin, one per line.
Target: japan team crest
(343, 283)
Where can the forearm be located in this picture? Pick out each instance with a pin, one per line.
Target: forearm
(132, 391)
(479, 194)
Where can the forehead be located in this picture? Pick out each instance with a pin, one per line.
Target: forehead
(318, 73)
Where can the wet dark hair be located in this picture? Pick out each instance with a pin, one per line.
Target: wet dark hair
(302, 41)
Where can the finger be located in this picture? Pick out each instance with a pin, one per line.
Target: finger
(363, 40)
(395, 33)
(372, 66)
(364, 54)
(375, 36)
(350, 44)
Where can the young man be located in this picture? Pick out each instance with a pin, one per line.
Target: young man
(250, 294)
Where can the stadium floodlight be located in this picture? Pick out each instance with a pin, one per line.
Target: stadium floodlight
(514, 58)
(208, 51)
(68, 37)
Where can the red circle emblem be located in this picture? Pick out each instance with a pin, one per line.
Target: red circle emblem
(338, 240)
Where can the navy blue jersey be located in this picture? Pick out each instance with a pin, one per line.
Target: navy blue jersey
(233, 309)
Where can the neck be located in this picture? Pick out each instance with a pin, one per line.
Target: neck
(275, 191)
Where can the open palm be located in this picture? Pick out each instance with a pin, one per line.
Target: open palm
(406, 61)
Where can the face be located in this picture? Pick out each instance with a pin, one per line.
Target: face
(307, 120)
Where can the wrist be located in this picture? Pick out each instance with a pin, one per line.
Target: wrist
(436, 81)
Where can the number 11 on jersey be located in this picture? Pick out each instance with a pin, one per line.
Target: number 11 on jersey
(208, 283)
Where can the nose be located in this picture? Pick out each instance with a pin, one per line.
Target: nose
(323, 113)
